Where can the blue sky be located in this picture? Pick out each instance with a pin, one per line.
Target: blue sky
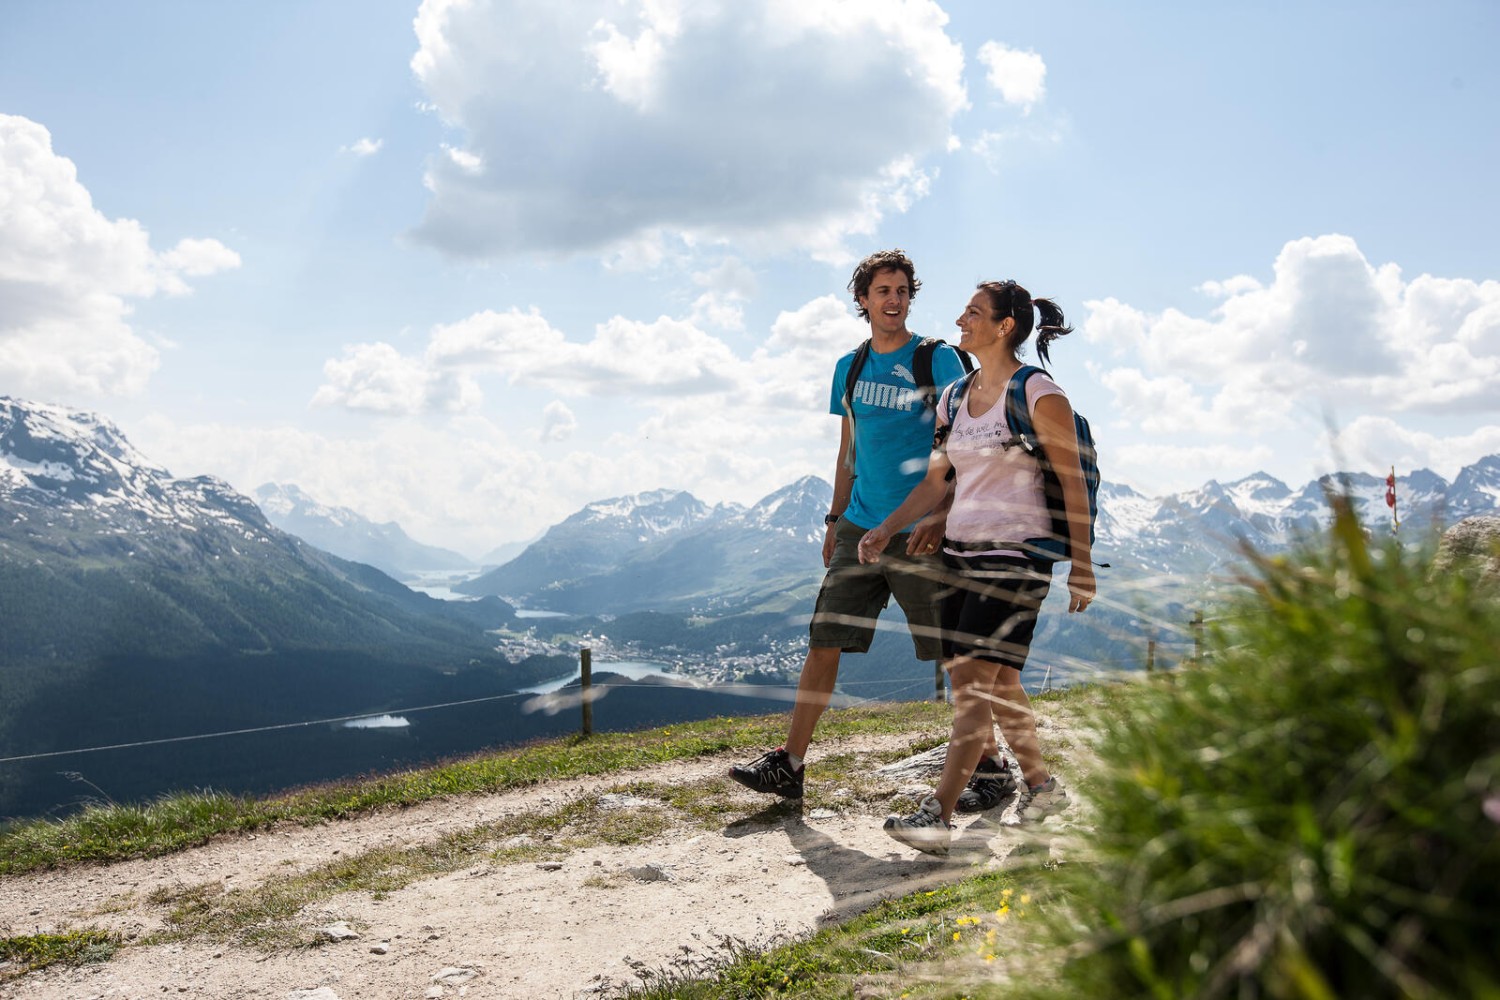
(469, 265)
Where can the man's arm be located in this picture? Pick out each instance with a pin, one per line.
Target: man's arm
(843, 487)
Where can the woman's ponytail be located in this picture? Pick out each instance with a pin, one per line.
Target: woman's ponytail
(1009, 299)
(1052, 326)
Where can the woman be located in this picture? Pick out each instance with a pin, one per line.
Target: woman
(989, 613)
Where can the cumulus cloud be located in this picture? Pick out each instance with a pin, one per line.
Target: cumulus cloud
(68, 273)
(558, 422)
(1329, 327)
(624, 357)
(585, 124)
(377, 378)
(1375, 442)
(647, 403)
(1019, 76)
(726, 287)
(1330, 338)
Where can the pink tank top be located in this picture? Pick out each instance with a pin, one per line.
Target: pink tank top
(997, 490)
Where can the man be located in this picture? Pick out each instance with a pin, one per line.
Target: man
(890, 429)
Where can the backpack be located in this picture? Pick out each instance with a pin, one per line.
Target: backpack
(921, 363)
(1054, 547)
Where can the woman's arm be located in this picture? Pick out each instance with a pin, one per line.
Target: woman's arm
(1053, 418)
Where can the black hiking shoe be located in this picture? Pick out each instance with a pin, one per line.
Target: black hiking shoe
(772, 774)
(990, 785)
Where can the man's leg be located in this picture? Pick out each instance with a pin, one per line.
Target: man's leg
(814, 690)
(843, 620)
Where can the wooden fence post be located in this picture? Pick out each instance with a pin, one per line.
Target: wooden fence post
(586, 681)
(1150, 655)
(1197, 624)
(937, 693)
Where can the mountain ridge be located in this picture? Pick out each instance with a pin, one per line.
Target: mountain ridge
(350, 535)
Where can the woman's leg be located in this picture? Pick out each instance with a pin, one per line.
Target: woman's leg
(972, 728)
(1018, 724)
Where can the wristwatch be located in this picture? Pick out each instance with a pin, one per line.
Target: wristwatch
(831, 518)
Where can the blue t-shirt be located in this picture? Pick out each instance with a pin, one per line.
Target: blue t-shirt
(892, 429)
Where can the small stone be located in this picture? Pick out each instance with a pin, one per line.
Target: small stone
(380, 949)
(321, 993)
(648, 873)
(453, 975)
(340, 931)
(550, 866)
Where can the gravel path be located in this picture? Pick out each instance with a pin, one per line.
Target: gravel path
(579, 927)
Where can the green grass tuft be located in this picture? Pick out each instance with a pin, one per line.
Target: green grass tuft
(77, 947)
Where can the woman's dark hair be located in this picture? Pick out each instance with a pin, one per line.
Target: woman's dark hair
(881, 260)
(1009, 299)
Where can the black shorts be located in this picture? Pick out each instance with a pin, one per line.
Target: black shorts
(988, 606)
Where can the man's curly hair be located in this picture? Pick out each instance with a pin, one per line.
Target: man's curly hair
(881, 260)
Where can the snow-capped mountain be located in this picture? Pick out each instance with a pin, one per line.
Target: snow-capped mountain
(668, 549)
(1476, 489)
(350, 535)
(1190, 536)
(595, 539)
(108, 564)
(68, 464)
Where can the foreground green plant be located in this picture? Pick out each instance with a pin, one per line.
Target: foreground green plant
(1313, 812)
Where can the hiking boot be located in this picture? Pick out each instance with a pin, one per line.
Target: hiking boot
(990, 784)
(1045, 800)
(923, 829)
(772, 774)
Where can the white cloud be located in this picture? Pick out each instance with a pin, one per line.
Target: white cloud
(67, 274)
(1378, 442)
(649, 404)
(625, 357)
(726, 287)
(1330, 338)
(1019, 76)
(377, 378)
(790, 122)
(558, 422)
(196, 258)
(1330, 328)
(997, 147)
(364, 147)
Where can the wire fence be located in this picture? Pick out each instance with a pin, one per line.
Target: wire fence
(886, 689)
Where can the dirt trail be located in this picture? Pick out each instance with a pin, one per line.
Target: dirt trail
(575, 928)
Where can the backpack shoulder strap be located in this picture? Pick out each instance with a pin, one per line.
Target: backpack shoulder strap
(956, 394)
(855, 364)
(921, 363)
(1016, 414)
(852, 376)
(927, 384)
